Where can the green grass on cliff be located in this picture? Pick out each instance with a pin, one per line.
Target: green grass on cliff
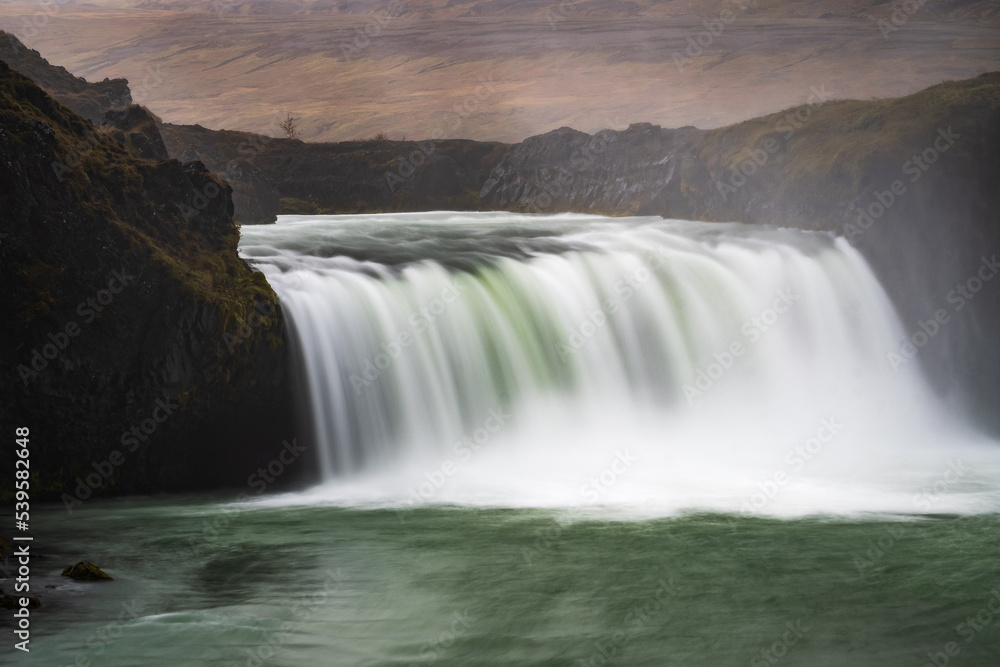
(851, 147)
(151, 212)
(195, 323)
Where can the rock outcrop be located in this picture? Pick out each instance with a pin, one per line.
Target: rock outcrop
(142, 353)
(86, 571)
(628, 172)
(277, 176)
(14, 601)
(135, 128)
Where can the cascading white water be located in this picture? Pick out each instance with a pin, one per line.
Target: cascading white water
(636, 363)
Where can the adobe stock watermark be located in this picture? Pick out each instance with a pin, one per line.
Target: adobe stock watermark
(13, 42)
(639, 616)
(88, 309)
(260, 315)
(969, 629)
(901, 13)
(420, 321)
(131, 439)
(876, 551)
(163, 408)
(138, 94)
(107, 634)
(787, 125)
(591, 491)
(796, 458)
(794, 632)
(926, 498)
(883, 200)
(753, 330)
(464, 450)
(927, 329)
(453, 119)
(378, 21)
(250, 148)
(437, 647)
(625, 289)
(258, 482)
(222, 7)
(598, 485)
(247, 150)
(698, 44)
(561, 12)
(302, 612)
(979, 621)
(47, 10)
(538, 197)
(200, 199)
(77, 153)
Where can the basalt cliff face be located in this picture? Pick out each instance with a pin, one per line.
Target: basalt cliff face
(278, 176)
(911, 182)
(142, 353)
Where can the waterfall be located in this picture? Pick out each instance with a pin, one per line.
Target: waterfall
(574, 360)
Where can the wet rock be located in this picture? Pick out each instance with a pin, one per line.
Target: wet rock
(14, 602)
(86, 571)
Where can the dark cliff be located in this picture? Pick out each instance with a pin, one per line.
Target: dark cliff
(276, 176)
(611, 172)
(90, 100)
(138, 348)
(136, 129)
(911, 182)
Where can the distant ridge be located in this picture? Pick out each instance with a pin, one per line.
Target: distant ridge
(90, 100)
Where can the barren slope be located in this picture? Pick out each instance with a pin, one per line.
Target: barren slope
(243, 64)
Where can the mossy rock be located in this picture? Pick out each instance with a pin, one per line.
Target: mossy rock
(14, 602)
(86, 571)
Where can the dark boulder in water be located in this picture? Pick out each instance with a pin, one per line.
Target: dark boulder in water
(14, 601)
(86, 571)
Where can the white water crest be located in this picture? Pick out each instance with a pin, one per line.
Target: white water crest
(636, 366)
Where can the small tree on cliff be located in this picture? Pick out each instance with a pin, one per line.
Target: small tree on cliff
(290, 127)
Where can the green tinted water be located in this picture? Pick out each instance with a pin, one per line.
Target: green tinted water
(442, 586)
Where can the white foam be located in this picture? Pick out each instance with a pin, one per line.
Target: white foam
(610, 340)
